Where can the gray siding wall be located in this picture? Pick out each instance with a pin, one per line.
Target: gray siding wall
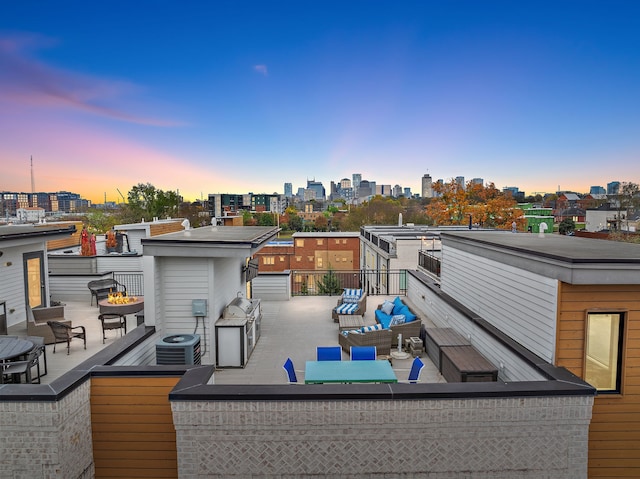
(510, 366)
(520, 303)
(272, 286)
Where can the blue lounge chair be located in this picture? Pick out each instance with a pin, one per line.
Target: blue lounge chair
(416, 368)
(328, 353)
(363, 353)
(291, 373)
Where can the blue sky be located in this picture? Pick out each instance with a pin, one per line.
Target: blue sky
(215, 97)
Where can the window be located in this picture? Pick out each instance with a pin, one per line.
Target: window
(603, 351)
(319, 263)
(282, 259)
(300, 243)
(320, 242)
(268, 260)
(298, 258)
(337, 241)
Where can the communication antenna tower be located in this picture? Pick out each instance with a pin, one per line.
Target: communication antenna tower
(33, 181)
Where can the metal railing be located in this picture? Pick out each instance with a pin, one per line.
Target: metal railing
(429, 262)
(332, 282)
(133, 281)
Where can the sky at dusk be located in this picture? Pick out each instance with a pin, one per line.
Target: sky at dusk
(233, 96)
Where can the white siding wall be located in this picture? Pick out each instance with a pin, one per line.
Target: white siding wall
(272, 286)
(510, 366)
(143, 355)
(520, 303)
(72, 288)
(12, 283)
(182, 280)
(119, 263)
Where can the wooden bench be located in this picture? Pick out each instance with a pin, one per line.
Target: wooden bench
(437, 338)
(464, 364)
(100, 288)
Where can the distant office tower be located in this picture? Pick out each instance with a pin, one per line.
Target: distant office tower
(288, 190)
(357, 178)
(460, 181)
(407, 192)
(345, 183)
(613, 188)
(597, 190)
(427, 186)
(318, 188)
(477, 181)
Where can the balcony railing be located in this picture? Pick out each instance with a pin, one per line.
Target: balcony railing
(133, 281)
(429, 262)
(332, 283)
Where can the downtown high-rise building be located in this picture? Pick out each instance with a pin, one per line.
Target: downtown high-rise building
(427, 186)
(288, 190)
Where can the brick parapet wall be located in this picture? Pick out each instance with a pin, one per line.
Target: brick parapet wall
(47, 439)
(473, 438)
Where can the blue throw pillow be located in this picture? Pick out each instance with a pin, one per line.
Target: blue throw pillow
(409, 316)
(383, 319)
(397, 319)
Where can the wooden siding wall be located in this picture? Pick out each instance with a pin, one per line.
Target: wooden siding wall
(132, 427)
(68, 242)
(520, 303)
(614, 434)
(163, 228)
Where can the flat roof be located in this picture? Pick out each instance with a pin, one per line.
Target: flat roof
(11, 232)
(565, 248)
(570, 259)
(219, 240)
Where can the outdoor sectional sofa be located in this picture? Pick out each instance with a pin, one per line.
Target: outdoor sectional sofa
(380, 338)
(406, 322)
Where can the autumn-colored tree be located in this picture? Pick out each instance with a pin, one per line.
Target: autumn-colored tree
(379, 211)
(454, 204)
(320, 223)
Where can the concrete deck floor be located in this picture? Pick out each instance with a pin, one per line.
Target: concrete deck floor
(289, 329)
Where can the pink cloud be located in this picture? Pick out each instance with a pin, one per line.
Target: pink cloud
(262, 69)
(26, 81)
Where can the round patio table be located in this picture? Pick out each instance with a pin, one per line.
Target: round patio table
(122, 309)
(14, 347)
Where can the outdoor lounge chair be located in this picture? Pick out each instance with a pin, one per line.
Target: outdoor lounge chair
(37, 319)
(358, 307)
(65, 333)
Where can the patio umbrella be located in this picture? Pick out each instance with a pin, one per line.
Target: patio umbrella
(92, 244)
(85, 247)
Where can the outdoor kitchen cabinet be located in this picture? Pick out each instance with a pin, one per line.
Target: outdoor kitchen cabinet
(237, 333)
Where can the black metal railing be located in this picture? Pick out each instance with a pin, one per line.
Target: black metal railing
(133, 281)
(332, 282)
(429, 262)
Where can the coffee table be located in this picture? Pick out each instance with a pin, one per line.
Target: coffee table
(347, 322)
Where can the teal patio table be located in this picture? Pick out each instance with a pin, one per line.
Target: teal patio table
(317, 372)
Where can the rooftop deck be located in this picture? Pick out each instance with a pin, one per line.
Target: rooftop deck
(289, 329)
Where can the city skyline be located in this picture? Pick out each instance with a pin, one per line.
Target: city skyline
(243, 96)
